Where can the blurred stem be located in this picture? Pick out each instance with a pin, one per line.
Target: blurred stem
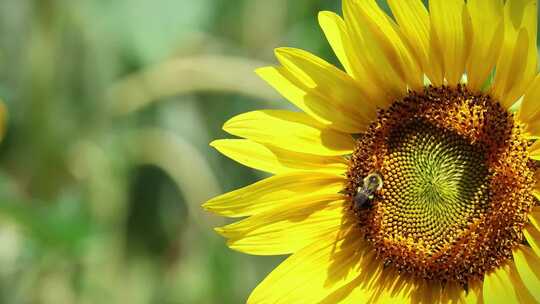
(186, 75)
(105, 181)
(184, 164)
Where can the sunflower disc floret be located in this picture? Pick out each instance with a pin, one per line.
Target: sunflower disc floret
(457, 184)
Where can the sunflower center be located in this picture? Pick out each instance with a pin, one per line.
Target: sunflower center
(434, 185)
(457, 184)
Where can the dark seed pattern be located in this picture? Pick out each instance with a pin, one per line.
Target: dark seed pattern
(457, 184)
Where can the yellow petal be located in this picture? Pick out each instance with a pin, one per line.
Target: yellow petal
(315, 271)
(315, 73)
(528, 267)
(524, 295)
(534, 218)
(533, 238)
(524, 13)
(280, 191)
(534, 150)
(533, 129)
(413, 19)
(431, 292)
(338, 36)
(436, 63)
(378, 285)
(340, 90)
(529, 111)
(290, 130)
(520, 17)
(372, 57)
(536, 190)
(275, 160)
(474, 295)
(374, 285)
(336, 33)
(386, 35)
(333, 99)
(510, 72)
(487, 40)
(447, 20)
(306, 100)
(500, 286)
(283, 231)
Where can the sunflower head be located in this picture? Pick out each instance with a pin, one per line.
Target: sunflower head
(412, 174)
(458, 188)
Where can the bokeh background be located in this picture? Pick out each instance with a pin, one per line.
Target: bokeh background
(105, 161)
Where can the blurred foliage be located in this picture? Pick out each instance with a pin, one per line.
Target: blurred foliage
(106, 161)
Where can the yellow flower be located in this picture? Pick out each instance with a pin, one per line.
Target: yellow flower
(409, 177)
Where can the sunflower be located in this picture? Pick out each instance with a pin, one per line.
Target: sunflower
(409, 176)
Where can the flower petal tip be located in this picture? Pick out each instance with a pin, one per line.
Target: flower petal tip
(216, 144)
(324, 14)
(261, 71)
(207, 206)
(220, 230)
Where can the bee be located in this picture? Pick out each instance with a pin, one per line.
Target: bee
(366, 193)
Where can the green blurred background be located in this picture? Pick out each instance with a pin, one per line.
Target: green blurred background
(106, 161)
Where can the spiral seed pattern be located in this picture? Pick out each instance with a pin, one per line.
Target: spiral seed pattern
(441, 184)
(457, 187)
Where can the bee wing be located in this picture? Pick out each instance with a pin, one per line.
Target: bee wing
(361, 199)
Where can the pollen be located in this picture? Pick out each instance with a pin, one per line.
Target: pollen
(457, 184)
